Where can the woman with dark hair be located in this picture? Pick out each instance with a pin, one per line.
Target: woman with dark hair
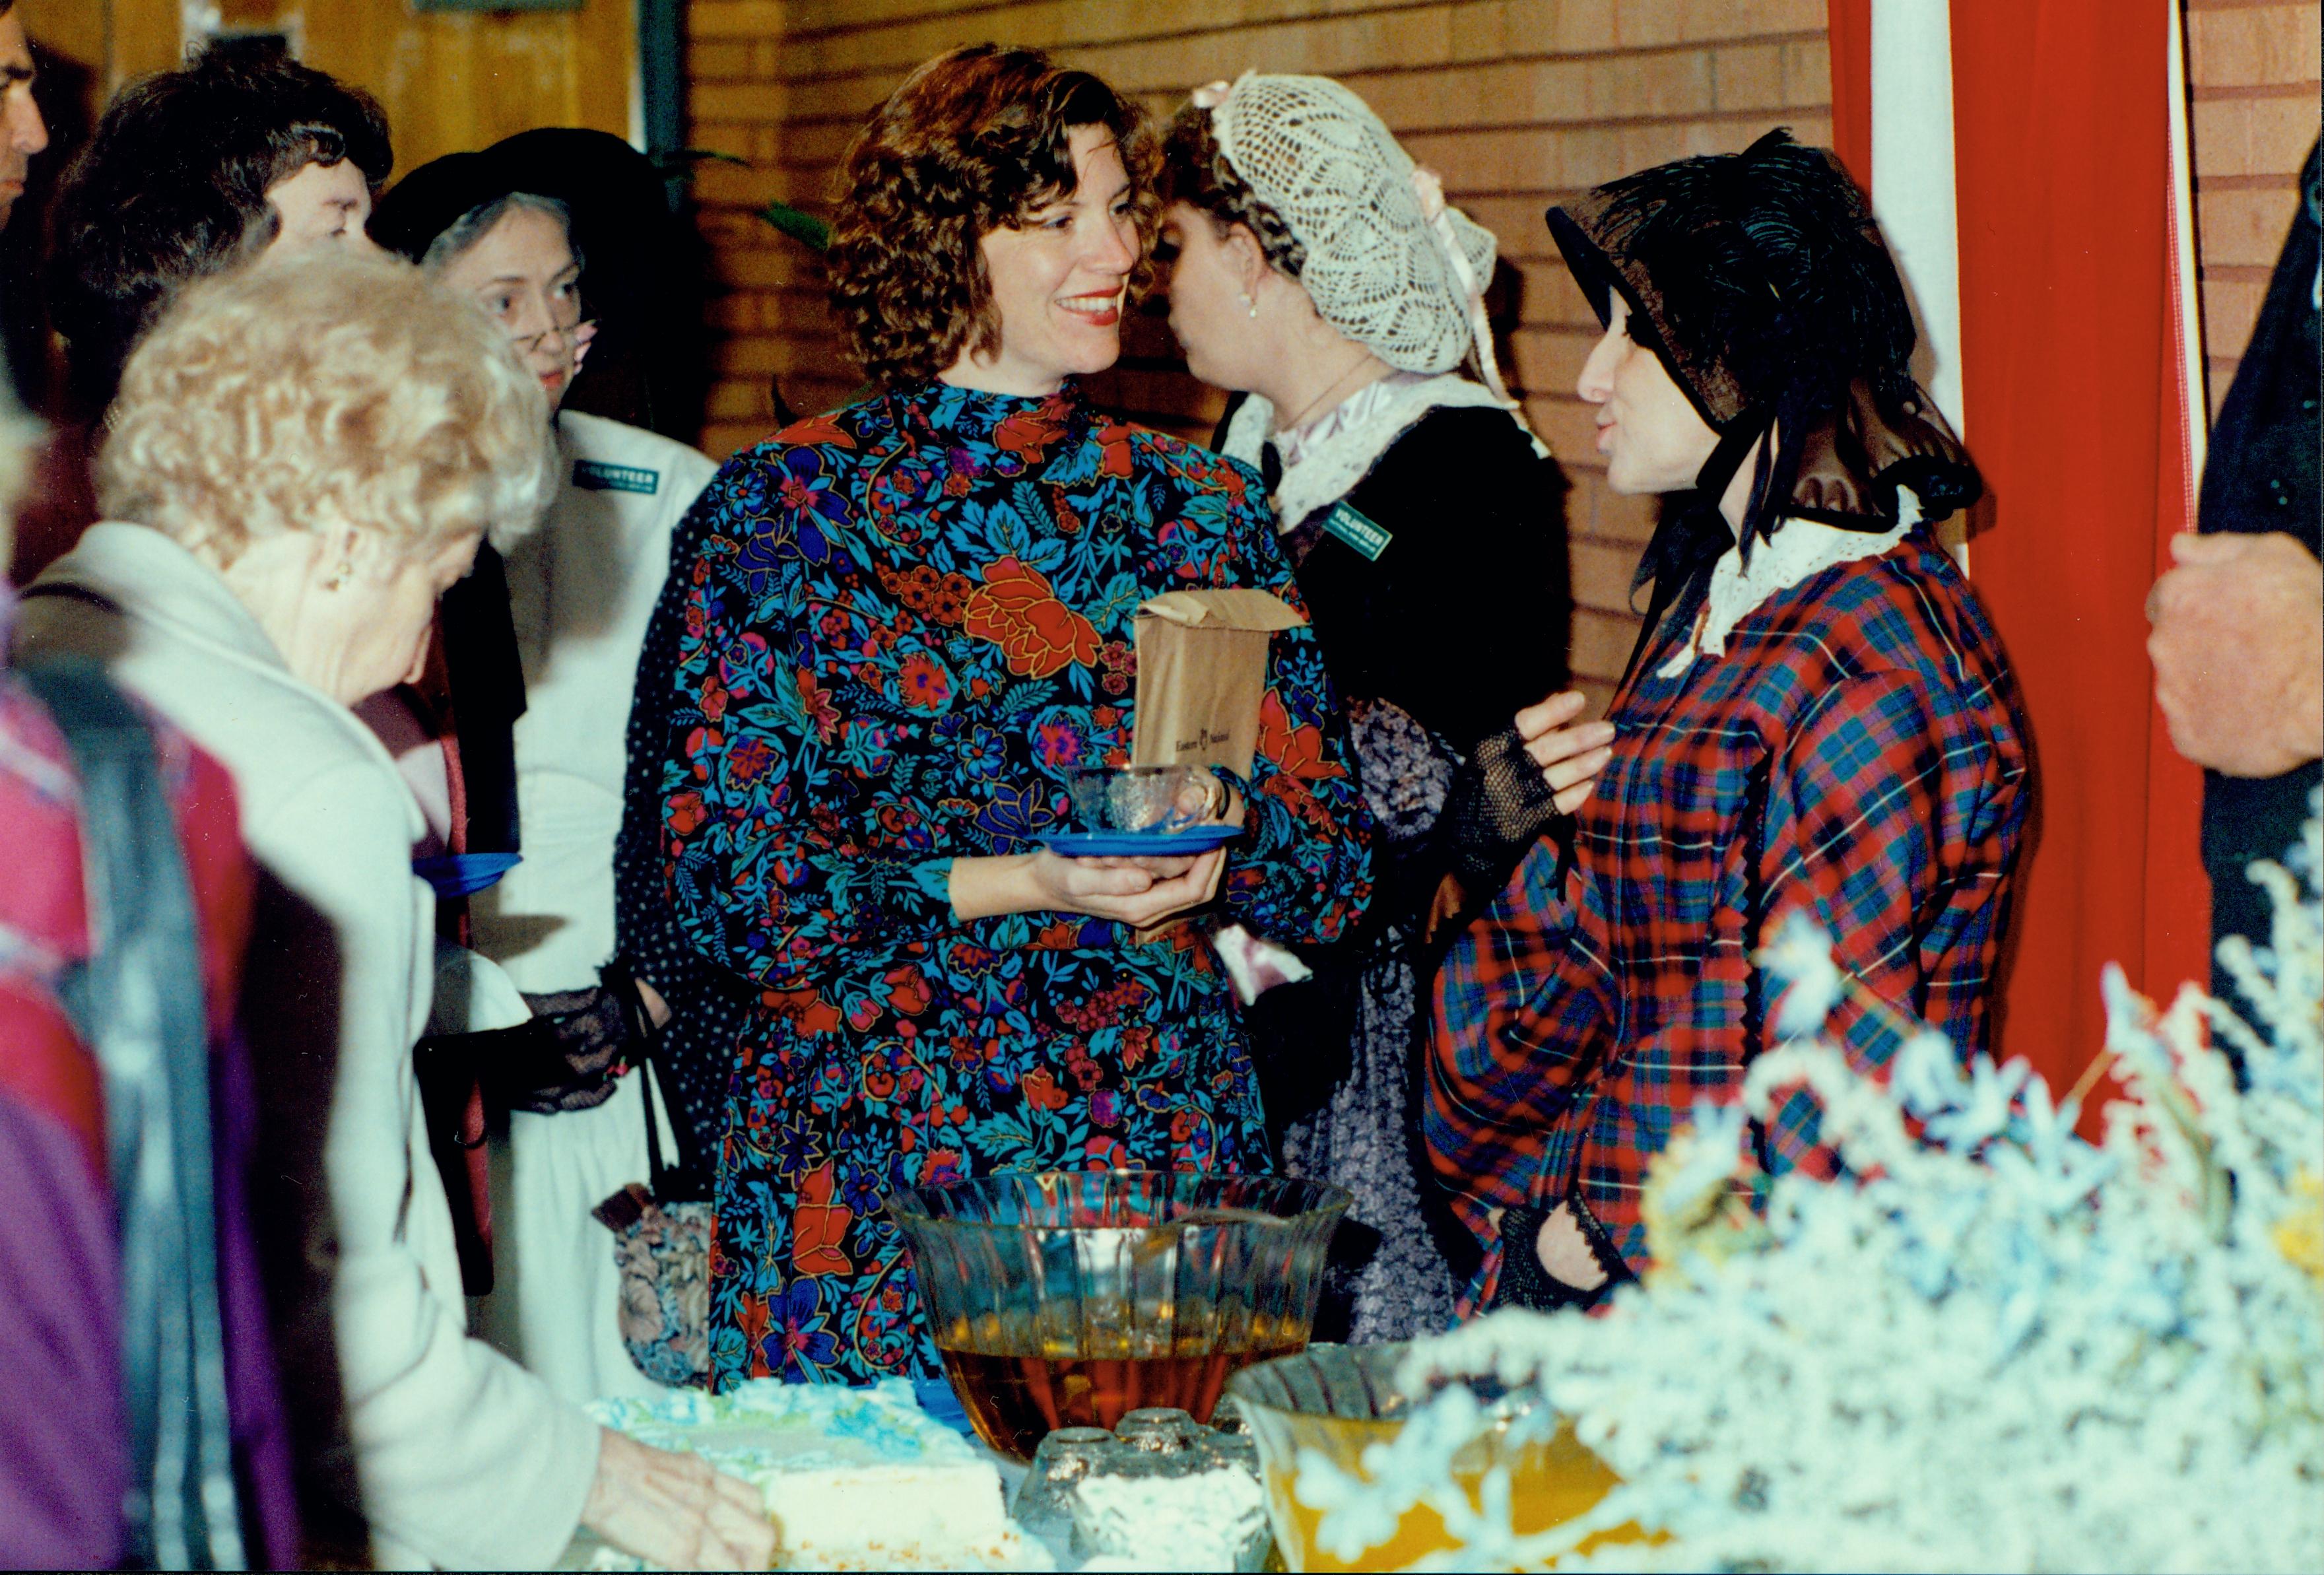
(908, 626)
(1818, 717)
(1319, 274)
(190, 173)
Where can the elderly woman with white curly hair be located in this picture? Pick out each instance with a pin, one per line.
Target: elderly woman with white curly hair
(303, 457)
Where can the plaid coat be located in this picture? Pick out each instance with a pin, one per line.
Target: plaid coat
(1869, 710)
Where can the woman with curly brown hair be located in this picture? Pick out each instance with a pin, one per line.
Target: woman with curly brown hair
(908, 626)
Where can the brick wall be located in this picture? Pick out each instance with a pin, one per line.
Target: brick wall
(2253, 73)
(1515, 102)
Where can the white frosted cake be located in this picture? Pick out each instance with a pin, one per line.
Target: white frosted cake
(854, 1478)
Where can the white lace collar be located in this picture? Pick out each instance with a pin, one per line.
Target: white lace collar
(1799, 550)
(1323, 460)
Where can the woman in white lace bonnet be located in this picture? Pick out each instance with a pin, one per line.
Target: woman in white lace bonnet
(1319, 275)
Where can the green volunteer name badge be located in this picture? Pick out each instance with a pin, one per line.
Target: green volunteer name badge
(1358, 530)
(593, 475)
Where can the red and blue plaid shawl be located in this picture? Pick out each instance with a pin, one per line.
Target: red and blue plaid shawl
(1579, 1020)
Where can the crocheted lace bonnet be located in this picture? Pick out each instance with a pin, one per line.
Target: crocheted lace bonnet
(1389, 264)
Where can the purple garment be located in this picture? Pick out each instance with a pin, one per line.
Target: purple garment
(262, 1431)
(63, 1450)
(64, 1444)
(64, 1455)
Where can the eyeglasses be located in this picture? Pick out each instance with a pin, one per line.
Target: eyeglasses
(580, 327)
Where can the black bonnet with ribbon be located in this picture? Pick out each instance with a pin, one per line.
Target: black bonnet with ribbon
(1761, 283)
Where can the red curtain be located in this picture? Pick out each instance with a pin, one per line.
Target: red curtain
(2060, 135)
(1849, 23)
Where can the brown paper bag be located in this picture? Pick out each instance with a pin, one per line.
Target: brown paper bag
(1201, 673)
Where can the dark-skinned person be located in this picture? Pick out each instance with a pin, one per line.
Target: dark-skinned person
(1818, 718)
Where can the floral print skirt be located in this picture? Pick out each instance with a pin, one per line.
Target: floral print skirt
(1366, 1138)
(1033, 1059)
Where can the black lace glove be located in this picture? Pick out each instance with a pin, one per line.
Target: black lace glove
(1500, 807)
(1525, 1283)
(568, 1055)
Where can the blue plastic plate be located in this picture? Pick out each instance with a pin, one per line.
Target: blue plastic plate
(1192, 838)
(464, 874)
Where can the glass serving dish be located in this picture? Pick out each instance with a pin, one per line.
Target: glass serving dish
(1337, 1400)
(1069, 1298)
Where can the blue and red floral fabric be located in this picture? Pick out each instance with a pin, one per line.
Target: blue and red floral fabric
(910, 624)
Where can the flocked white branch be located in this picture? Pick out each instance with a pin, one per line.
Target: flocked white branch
(1990, 1345)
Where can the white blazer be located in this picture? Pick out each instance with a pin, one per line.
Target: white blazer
(462, 1458)
(581, 590)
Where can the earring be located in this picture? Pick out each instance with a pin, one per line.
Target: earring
(339, 580)
(1249, 305)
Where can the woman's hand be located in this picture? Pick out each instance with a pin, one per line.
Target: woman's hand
(1570, 757)
(1560, 1246)
(674, 1510)
(1565, 1252)
(1140, 892)
(657, 1008)
(1137, 892)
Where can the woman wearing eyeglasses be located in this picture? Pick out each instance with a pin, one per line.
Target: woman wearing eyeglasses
(539, 651)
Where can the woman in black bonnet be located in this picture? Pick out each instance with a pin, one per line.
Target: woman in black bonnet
(1818, 717)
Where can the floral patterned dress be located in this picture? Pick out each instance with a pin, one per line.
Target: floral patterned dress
(910, 624)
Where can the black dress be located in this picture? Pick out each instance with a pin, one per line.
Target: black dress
(1437, 583)
(694, 1056)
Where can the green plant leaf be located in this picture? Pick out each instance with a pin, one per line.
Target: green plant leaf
(803, 228)
(678, 158)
